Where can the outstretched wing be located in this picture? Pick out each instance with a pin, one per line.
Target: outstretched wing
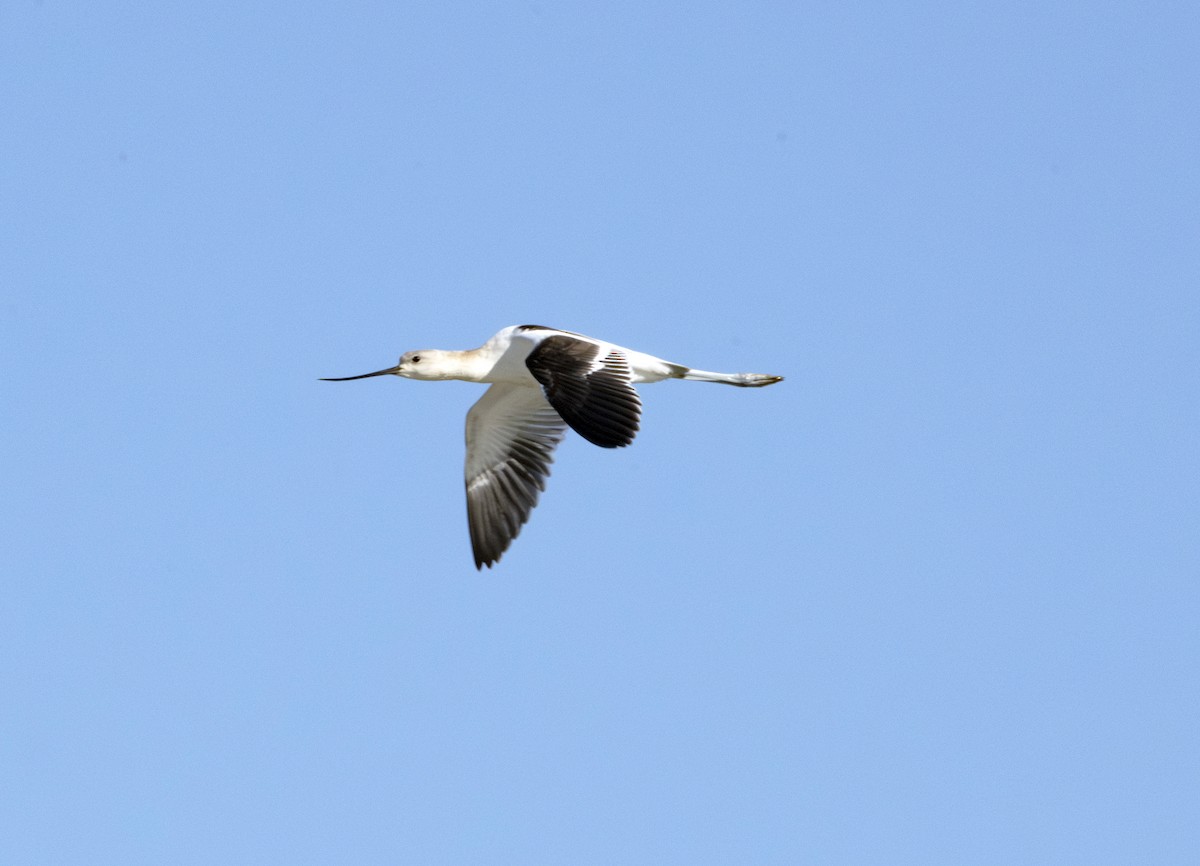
(590, 387)
(511, 435)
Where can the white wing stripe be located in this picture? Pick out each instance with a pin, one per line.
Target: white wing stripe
(511, 436)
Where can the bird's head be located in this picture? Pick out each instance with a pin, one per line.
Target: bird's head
(419, 364)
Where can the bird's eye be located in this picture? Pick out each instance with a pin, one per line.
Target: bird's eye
(416, 359)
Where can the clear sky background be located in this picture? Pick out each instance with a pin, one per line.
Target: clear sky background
(933, 599)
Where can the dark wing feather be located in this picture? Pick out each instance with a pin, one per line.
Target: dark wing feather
(591, 390)
(511, 435)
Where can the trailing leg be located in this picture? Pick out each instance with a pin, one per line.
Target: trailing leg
(742, 380)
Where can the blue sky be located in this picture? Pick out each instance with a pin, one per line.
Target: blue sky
(931, 600)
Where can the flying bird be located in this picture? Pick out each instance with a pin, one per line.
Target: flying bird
(542, 380)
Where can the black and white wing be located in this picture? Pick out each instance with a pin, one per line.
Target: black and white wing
(511, 435)
(590, 387)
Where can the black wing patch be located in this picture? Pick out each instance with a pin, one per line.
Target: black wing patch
(544, 328)
(592, 394)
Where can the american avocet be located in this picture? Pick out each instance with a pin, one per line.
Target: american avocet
(542, 381)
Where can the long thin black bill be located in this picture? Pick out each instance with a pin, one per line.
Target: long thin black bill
(365, 375)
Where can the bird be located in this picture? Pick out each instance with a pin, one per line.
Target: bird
(542, 381)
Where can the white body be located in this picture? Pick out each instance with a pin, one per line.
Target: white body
(502, 359)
